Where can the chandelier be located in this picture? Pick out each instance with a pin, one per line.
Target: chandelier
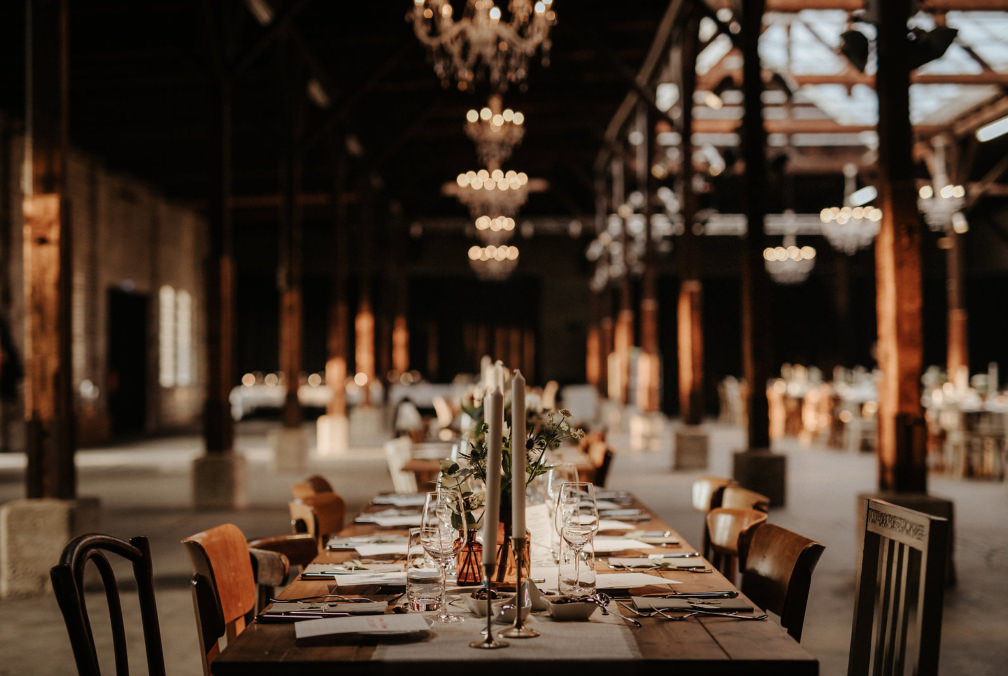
(483, 43)
(497, 230)
(789, 264)
(941, 203)
(851, 228)
(495, 132)
(492, 192)
(493, 262)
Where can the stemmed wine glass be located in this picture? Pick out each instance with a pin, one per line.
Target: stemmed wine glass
(576, 518)
(558, 475)
(443, 533)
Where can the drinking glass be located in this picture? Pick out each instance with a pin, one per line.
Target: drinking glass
(443, 533)
(576, 518)
(423, 591)
(560, 473)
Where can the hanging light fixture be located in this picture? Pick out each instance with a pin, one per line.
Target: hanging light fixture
(493, 192)
(789, 264)
(483, 44)
(853, 226)
(493, 262)
(497, 230)
(495, 132)
(941, 202)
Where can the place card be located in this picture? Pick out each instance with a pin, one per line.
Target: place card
(356, 541)
(396, 579)
(604, 545)
(391, 521)
(382, 550)
(625, 514)
(295, 609)
(613, 524)
(334, 569)
(401, 499)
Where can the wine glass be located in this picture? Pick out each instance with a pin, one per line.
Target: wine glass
(443, 533)
(576, 518)
(559, 474)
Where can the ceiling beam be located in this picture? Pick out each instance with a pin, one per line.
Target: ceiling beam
(275, 28)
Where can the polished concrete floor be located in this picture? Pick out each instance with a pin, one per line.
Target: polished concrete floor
(144, 488)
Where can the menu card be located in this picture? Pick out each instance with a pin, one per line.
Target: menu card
(370, 625)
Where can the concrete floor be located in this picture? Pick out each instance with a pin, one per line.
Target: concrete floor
(145, 489)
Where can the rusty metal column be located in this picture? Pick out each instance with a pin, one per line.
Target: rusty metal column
(623, 332)
(336, 343)
(649, 367)
(47, 257)
(958, 317)
(756, 467)
(901, 444)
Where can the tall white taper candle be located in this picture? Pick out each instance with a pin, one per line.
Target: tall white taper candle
(494, 407)
(518, 455)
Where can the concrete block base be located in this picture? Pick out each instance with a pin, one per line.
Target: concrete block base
(762, 471)
(332, 434)
(367, 426)
(290, 450)
(691, 449)
(219, 481)
(921, 502)
(647, 431)
(33, 534)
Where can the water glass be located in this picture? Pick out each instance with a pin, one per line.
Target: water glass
(576, 571)
(423, 578)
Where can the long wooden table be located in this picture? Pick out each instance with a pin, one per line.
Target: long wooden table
(707, 645)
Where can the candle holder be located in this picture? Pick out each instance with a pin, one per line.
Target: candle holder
(489, 643)
(519, 630)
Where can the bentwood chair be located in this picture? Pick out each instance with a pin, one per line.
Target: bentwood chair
(900, 587)
(68, 583)
(224, 584)
(736, 497)
(725, 526)
(319, 516)
(777, 567)
(316, 483)
(706, 495)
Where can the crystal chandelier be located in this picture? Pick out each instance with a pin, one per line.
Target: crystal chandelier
(789, 264)
(941, 203)
(495, 132)
(497, 230)
(483, 43)
(851, 228)
(492, 192)
(493, 262)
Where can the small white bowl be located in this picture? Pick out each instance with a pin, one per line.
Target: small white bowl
(565, 609)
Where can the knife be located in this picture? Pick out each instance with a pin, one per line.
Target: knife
(676, 555)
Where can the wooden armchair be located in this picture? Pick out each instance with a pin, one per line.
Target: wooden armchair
(224, 584)
(777, 567)
(900, 587)
(68, 583)
(318, 515)
(736, 497)
(725, 526)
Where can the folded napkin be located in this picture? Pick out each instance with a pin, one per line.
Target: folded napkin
(394, 579)
(356, 541)
(299, 610)
(369, 625)
(401, 499)
(333, 569)
(390, 521)
(613, 524)
(628, 580)
(687, 604)
(625, 514)
(603, 545)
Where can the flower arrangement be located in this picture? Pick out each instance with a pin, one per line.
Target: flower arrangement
(545, 431)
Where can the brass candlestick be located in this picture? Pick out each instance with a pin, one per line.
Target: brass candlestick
(489, 643)
(519, 630)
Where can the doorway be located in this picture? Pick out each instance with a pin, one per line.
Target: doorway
(127, 361)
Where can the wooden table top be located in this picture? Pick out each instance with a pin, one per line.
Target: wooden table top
(708, 645)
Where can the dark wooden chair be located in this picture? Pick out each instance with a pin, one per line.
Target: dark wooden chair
(725, 525)
(314, 484)
(706, 495)
(602, 468)
(777, 567)
(298, 550)
(68, 583)
(900, 586)
(319, 515)
(224, 584)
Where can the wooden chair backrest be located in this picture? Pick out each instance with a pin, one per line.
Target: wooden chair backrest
(322, 515)
(900, 588)
(397, 454)
(777, 567)
(68, 583)
(725, 526)
(316, 483)
(743, 498)
(223, 585)
(707, 492)
(602, 468)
